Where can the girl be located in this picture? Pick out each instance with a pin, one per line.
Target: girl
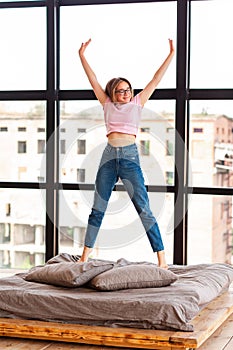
(122, 113)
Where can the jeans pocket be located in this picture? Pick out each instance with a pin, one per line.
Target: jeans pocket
(131, 153)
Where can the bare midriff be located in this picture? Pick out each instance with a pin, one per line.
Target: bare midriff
(118, 139)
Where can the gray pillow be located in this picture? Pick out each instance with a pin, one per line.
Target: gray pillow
(133, 276)
(67, 274)
(63, 257)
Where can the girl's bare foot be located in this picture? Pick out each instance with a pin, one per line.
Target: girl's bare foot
(86, 252)
(161, 259)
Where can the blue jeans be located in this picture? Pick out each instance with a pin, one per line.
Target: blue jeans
(123, 163)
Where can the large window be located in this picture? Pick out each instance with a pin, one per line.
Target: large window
(23, 49)
(211, 55)
(22, 141)
(52, 130)
(22, 228)
(109, 51)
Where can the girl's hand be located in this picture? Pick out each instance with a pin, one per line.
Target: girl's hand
(83, 47)
(172, 49)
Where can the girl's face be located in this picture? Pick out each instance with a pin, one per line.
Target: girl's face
(123, 92)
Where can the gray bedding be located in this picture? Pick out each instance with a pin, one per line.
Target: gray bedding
(171, 307)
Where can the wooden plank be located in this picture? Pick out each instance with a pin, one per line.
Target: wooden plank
(205, 323)
(68, 346)
(222, 337)
(22, 344)
(121, 337)
(95, 347)
(74, 346)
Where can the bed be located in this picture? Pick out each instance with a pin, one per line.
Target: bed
(123, 303)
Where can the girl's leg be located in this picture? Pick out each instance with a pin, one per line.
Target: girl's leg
(141, 203)
(161, 259)
(132, 177)
(86, 252)
(140, 200)
(105, 182)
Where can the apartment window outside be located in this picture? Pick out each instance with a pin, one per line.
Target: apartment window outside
(169, 148)
(8, 209)
(22, 147)
(80, 175)
(197, 130)
(3, 129)
(147, 130)
(22, 129)
(40, 146)
(169, 178)
(40, 129)
(145, 147)
(5, 232)
(63, 146)
(170, 141)
(40, 179)
(5, 259)
(81, 147)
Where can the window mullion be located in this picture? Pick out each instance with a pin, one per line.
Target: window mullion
(180, 233)
(50, 230)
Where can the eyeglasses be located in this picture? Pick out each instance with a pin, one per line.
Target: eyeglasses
(123, 91)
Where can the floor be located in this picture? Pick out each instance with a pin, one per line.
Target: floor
(222, 339)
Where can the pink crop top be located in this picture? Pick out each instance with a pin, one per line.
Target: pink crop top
(123, 117)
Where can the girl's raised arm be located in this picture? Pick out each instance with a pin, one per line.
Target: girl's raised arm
(151, 86)
(98, 90)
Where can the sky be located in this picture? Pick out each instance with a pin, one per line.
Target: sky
(128, 40)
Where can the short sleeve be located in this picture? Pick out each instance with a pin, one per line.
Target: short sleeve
(137, 100)
(107, 100)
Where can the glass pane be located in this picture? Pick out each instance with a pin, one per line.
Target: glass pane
(211, 51)
(22, 223)
(210, 229)
(130, 47)
(23, 49)
(211, 144)
(121, 234)
(22, 141)
(83, 138)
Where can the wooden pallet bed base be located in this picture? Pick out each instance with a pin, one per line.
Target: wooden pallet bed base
(205, 324)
